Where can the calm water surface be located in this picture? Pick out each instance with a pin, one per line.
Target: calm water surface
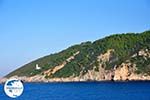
(84, 91)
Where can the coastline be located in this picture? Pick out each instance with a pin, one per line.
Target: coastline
(73, 80)
(106, 81)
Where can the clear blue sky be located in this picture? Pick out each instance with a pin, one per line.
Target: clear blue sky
(30, 29)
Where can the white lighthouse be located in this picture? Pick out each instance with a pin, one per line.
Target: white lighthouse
(37, 67)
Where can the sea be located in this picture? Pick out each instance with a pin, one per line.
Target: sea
(83, 91)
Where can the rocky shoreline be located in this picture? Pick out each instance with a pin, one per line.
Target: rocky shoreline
(124, 72)
(49, 81)
(41, 79)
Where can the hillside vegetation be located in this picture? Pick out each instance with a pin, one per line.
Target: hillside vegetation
(124, 45)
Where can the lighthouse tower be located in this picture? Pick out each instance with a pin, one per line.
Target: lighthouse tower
(37, 67)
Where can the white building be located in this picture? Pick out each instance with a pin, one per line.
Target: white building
(37, 67)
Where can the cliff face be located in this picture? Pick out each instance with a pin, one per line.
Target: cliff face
(53, 70)
(117, 57)
(124, 72)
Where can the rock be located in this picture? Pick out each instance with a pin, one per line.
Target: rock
(122, 72)
(3, 80)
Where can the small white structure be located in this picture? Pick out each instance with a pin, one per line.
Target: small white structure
(37, 67)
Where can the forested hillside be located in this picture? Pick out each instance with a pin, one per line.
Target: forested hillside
(83, 57)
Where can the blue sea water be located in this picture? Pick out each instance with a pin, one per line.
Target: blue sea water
(83, 91)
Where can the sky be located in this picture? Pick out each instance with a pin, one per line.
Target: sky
(30, 29)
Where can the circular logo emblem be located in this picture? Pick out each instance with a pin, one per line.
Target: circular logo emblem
(13, 88)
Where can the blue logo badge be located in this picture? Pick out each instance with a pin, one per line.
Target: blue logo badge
(13, 88)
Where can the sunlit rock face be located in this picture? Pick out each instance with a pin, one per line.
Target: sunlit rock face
(120, 57)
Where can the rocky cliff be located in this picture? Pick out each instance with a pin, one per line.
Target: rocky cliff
(120, 57)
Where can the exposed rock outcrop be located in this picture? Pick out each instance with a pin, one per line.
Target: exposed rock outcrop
(51, 71)
(122, 72)
(106, 56)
